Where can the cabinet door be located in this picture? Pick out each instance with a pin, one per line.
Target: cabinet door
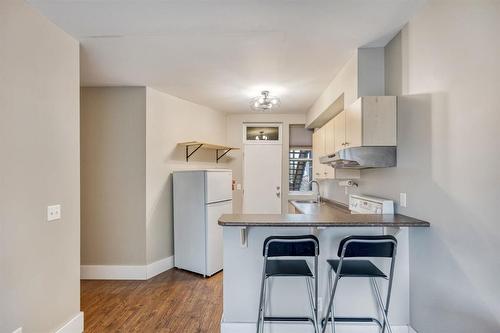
(339, 131)
(318, 147)
(329, 133)
(329, 129)
(379, 120)
(353, 125)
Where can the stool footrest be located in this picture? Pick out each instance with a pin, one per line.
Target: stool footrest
(354, 320)
(290, 319)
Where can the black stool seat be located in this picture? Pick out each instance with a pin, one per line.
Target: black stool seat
(346, 266)
(283, 257)
(357, 268)
(288, 268)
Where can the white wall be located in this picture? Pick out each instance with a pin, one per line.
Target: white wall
(371, 71)
(234, 126)
(39, 166)
(171, 120)
(445, 64)
(129, 150)
(452, 52)
(344, 84)
(362, 75)
(113, 163)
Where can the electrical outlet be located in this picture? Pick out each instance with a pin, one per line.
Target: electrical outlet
(402, 199)
(53, 212)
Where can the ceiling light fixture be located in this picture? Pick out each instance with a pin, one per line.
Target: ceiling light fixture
(264, 102)
(261, 136)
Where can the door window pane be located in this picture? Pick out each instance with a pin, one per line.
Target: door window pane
(258, 133)
(300, 169)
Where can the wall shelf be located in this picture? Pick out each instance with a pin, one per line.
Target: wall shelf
(193, 146)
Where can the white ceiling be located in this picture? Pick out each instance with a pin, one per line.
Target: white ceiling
(220, 53)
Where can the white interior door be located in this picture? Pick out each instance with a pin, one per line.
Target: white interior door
(262, 179)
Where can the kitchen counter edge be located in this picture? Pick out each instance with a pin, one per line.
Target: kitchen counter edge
(329, 215)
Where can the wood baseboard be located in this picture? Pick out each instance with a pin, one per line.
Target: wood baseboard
(123, 272)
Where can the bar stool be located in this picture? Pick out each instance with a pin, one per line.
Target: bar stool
(358, 247)
(289, 246)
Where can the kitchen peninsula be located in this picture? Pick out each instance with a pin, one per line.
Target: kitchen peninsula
(244, 235)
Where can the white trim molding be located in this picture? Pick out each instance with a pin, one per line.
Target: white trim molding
(306, 327)
(112, 272)
(74, 325)
(121, 272)
(159, 266)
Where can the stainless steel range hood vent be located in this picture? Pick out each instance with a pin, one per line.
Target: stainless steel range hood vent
(362, 158)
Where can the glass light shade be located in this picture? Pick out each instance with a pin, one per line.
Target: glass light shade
(264, 102)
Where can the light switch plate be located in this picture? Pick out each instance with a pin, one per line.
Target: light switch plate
(53, 212)
(402, 199)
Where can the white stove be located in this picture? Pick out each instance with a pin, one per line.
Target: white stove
(361, 204)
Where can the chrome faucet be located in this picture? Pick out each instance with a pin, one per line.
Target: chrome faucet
(318, 192)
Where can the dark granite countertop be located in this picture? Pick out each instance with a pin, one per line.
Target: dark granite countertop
(325, 214)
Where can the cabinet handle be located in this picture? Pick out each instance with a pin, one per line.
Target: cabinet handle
(347, 143)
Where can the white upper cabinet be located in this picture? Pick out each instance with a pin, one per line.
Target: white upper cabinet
(329, 134)
(353, 125)
(340, 132)
(324, 140)
(318, 141)
(371, 121)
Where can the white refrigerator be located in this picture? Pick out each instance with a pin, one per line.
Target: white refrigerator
(200, 198)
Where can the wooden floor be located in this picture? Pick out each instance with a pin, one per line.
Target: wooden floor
(174, 301)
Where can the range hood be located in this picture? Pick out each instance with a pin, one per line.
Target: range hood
(364, 157)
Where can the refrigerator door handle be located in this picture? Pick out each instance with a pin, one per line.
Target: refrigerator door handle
(218, 202)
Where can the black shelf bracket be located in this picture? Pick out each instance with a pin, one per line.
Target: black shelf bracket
(218, 157)
(188, 154)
